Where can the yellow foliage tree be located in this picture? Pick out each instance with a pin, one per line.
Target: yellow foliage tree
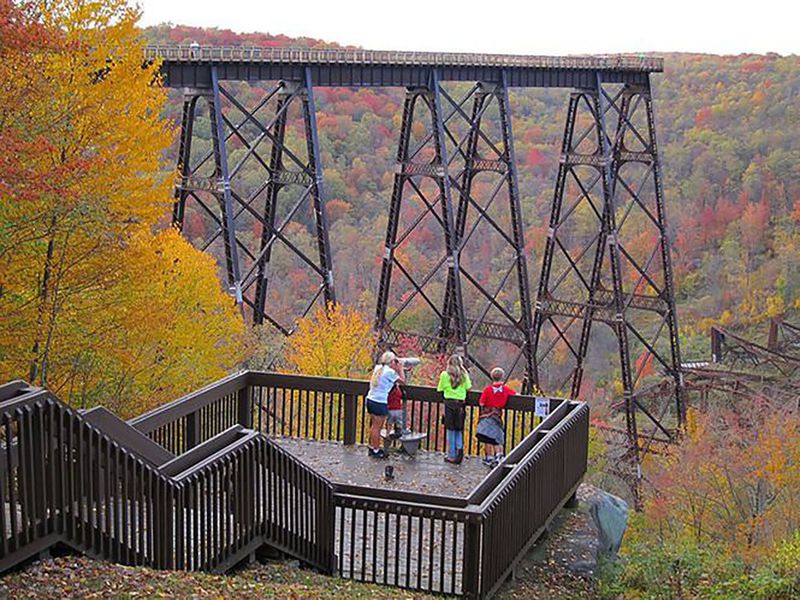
(173, 330)
(336, 344)
(94, 303)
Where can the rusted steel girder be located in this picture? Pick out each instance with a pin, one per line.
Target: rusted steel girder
(438, 173)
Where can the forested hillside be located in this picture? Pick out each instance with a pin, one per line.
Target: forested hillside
(730, 146)
(102, 302)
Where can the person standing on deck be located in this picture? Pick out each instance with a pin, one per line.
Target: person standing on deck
(490, 431)
(454, 383)
(386, 373)
(396, 423)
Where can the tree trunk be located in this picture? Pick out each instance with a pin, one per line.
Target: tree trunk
(44, 293)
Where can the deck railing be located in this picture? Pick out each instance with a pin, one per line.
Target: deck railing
(316, 408)
(550, 466)
(64, 480)
(320, 408)
(230, 489)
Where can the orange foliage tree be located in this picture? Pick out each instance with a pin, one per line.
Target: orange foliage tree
(734, 482)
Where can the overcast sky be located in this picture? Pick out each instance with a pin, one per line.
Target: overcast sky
(507, 26)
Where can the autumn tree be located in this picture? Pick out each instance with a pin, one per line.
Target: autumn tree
(176, 328)
(95, 303)
(338, 343)
(721, 516)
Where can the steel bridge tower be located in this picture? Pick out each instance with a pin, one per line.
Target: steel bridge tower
(291, 180)
(607, 260)
(463, 147)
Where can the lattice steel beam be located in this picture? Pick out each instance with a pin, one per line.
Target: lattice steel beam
(289, 178)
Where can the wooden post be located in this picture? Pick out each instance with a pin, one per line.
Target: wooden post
(245, 410)
(192, 429)
(325, 519)
(772, 341)
(350, 420)
(470, 582)
(717, 338)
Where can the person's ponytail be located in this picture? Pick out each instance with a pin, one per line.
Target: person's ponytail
(456, 371)
(386, 359)
(376, 375)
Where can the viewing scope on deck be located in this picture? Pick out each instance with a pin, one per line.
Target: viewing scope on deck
(409, 362)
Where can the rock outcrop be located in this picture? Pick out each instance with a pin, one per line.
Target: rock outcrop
(610, 516)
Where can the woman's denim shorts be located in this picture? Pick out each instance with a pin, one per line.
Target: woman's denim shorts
(379, 409)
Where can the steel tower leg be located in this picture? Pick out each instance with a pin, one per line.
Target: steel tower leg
(184, 160)
(400, 177)
(547, 286)
(606, 155)
(627, 284)
(451, 237)
(317, 190)
(224, 190)
(515, 207)
(270, 210)
(247, 262)
(467, 176)
(668, 294)
(281, 177)
(654, 273)
(609, 149)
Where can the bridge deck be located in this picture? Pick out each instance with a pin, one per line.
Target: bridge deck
(188, 66)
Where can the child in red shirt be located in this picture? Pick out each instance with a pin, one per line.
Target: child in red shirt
(490, 431)
(396, 423)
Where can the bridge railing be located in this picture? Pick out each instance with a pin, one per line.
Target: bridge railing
(251, 493)
(518, 510)
(329, 409)
(419, 545)
(64, 480)
(198, 53)
(192, 419)
(315, 408)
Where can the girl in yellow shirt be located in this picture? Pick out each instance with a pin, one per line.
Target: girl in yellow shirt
(454, 384)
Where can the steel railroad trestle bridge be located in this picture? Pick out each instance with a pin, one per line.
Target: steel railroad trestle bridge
(606, 257)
